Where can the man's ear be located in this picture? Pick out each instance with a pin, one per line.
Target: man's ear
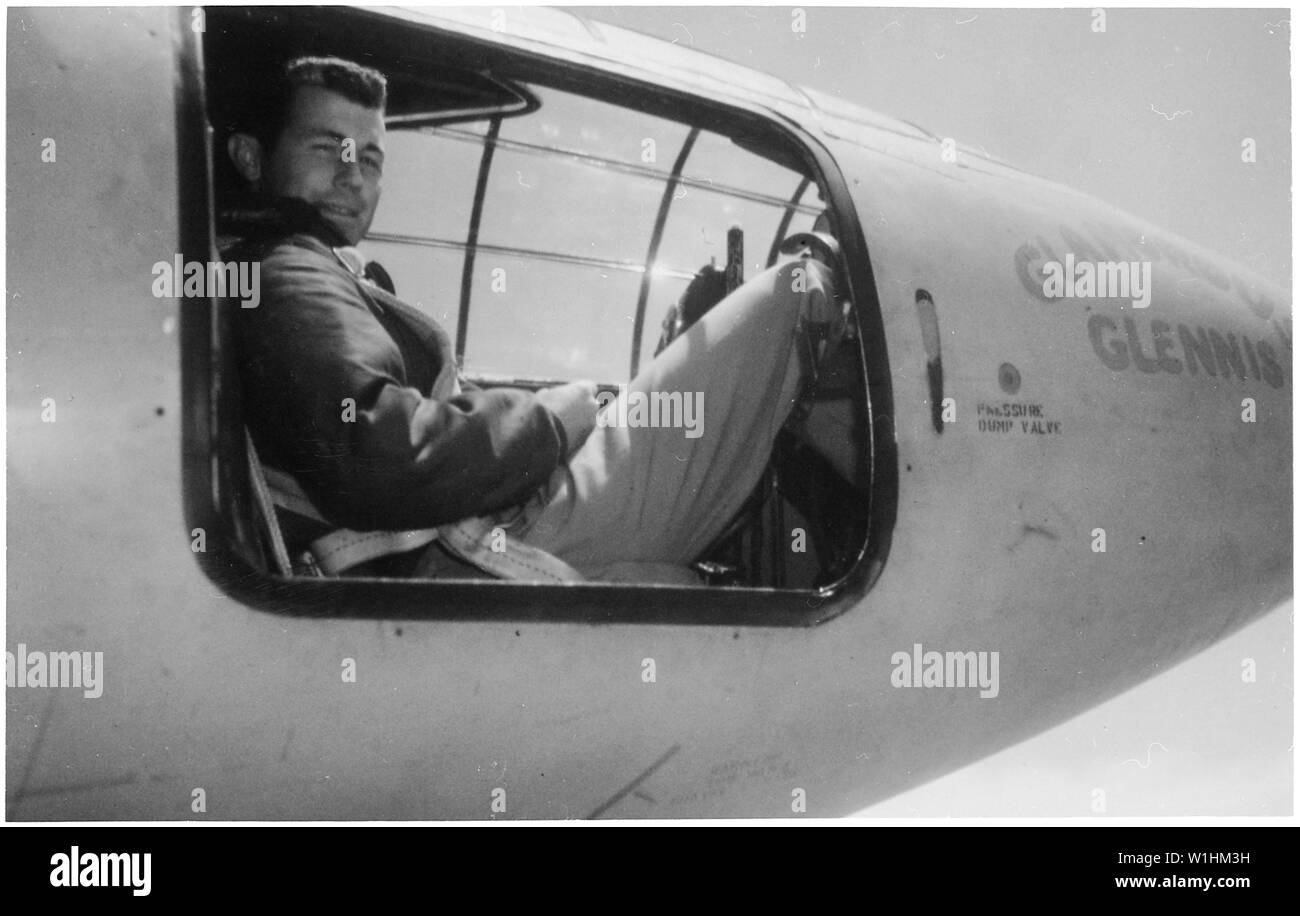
(245, 152)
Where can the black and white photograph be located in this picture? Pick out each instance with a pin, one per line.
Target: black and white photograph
(635, 413)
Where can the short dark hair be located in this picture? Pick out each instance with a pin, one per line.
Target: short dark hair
(267, 115)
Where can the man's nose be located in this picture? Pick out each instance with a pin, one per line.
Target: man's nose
(348, 174)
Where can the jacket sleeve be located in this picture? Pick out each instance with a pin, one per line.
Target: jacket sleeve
(327, 397)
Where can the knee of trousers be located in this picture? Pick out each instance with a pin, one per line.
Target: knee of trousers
(800, 281)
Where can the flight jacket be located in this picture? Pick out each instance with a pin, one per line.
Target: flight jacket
(355, 394)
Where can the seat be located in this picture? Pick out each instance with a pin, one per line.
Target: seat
(268, 521)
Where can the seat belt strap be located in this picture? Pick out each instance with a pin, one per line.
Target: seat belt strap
(341, 550)
(475, 540)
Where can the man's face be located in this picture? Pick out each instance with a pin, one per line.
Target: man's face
(330, 154)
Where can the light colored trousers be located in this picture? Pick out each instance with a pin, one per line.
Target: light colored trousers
(639, 502)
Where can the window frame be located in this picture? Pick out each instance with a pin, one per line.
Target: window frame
(215, 479)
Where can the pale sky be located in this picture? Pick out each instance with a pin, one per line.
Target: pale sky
(1149, 115)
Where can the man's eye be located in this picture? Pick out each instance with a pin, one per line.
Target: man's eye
(371, 162)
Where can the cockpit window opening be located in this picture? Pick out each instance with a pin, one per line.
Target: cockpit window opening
(468, 253)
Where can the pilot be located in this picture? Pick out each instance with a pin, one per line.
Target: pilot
(352, 396)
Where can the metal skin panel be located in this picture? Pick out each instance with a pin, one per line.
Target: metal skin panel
(993, 545)
(991, 548)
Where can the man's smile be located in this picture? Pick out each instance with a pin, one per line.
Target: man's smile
(339, 210)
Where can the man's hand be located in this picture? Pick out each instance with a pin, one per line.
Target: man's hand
(574, 404)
